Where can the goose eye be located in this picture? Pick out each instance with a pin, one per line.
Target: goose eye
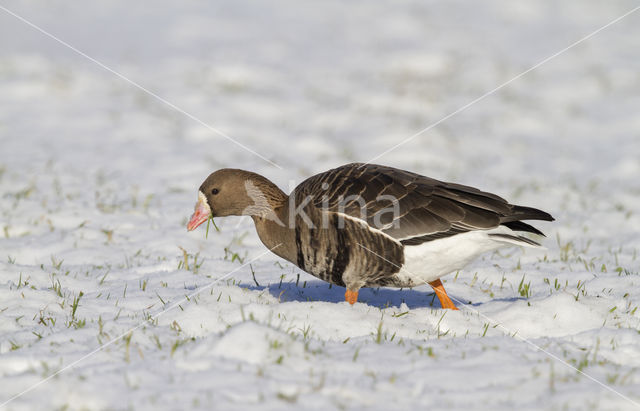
(215, 191)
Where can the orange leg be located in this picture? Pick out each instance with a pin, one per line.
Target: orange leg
(445, 301)
(351, 296)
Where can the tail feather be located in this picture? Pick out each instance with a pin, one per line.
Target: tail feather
(526, 213)
(515, 239)
(521, 226)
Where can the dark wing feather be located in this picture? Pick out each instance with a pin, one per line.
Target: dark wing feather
(427, 209)
(520, 226)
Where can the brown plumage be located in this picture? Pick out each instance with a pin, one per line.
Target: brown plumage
(355, 225)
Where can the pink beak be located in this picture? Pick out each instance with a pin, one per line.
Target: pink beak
(201, 213)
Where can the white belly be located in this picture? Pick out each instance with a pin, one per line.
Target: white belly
(433, 259)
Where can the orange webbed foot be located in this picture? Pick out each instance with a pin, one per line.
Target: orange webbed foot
(351, 296)
(445, 301)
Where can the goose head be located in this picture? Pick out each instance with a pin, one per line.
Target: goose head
(234, 192)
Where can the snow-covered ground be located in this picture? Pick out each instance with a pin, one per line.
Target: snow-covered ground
(98, 179)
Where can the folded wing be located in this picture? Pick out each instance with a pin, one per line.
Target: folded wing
(412, 208)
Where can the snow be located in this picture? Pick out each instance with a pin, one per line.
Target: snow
(98, 180)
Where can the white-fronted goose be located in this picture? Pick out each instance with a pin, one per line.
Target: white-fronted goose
(366, 225)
